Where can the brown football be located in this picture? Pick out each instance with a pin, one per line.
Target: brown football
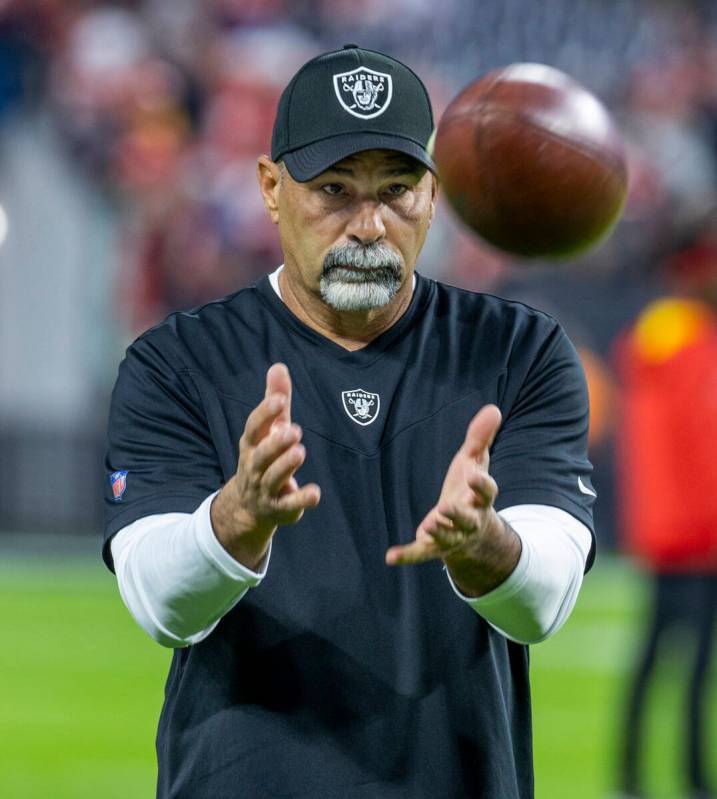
(532, 161)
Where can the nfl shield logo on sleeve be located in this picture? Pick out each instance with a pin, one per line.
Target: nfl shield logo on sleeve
(118, 481)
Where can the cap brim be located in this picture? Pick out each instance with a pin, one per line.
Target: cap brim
(308, 162)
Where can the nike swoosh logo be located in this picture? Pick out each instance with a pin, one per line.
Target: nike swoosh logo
(584, 489)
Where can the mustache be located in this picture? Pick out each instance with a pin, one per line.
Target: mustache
(363, 256)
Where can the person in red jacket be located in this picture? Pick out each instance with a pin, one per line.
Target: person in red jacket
(667, 463)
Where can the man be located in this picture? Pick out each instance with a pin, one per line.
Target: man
(364, 400)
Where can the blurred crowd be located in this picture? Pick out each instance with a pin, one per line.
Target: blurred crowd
(165, 104)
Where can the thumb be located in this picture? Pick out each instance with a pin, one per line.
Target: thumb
(278, 381)
(481, 431)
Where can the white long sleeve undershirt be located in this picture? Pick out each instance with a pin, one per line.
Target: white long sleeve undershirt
(178, 581)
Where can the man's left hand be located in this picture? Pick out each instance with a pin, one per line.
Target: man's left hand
(463, 528)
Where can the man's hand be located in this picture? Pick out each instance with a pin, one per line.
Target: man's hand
(463, 529)
(264, 493)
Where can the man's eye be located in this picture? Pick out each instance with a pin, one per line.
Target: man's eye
(396, 189)
(333, 189)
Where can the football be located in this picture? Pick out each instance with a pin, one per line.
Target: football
(532, 161)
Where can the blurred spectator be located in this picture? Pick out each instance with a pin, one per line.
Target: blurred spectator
(666, 444)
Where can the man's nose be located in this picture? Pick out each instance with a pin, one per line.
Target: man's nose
(366, 225)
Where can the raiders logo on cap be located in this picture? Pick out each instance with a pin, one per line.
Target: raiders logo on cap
(364, 92)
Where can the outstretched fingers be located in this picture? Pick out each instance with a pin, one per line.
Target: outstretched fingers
(450, 525)
(274, 410)
(453, 517)
(282, 468)
(281, 438)
(482, 431)
(468, 493)
(443, 531)
(298, 501)
(423, 549)
(270, 452)
(483, 488)
(260, 420)
(278, 381)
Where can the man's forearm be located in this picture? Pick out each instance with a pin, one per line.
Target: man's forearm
(487, 562)
(175, 578)
(538, 596)
(235, 531)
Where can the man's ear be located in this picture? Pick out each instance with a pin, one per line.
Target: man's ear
(268, 174)
(434, 197)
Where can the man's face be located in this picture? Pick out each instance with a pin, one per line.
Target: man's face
(353, 234)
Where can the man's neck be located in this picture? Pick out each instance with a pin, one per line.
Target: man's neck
(351, 330)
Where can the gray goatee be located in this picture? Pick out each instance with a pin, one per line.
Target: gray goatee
(358, 277)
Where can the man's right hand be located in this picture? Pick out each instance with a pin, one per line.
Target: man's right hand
(263, 493)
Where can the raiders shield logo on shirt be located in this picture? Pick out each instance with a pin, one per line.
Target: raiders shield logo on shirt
(364, 92)
(362, 406)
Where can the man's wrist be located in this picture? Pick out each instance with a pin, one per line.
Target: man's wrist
(236, 530)
(487, 561)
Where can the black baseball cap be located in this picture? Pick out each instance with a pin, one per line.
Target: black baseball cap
(347, 101)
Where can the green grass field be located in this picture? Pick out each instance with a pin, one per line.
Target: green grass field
(81, 688)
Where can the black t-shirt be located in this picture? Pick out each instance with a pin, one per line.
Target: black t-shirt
(340, 677)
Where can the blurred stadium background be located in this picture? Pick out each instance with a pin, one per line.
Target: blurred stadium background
(128, 138)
